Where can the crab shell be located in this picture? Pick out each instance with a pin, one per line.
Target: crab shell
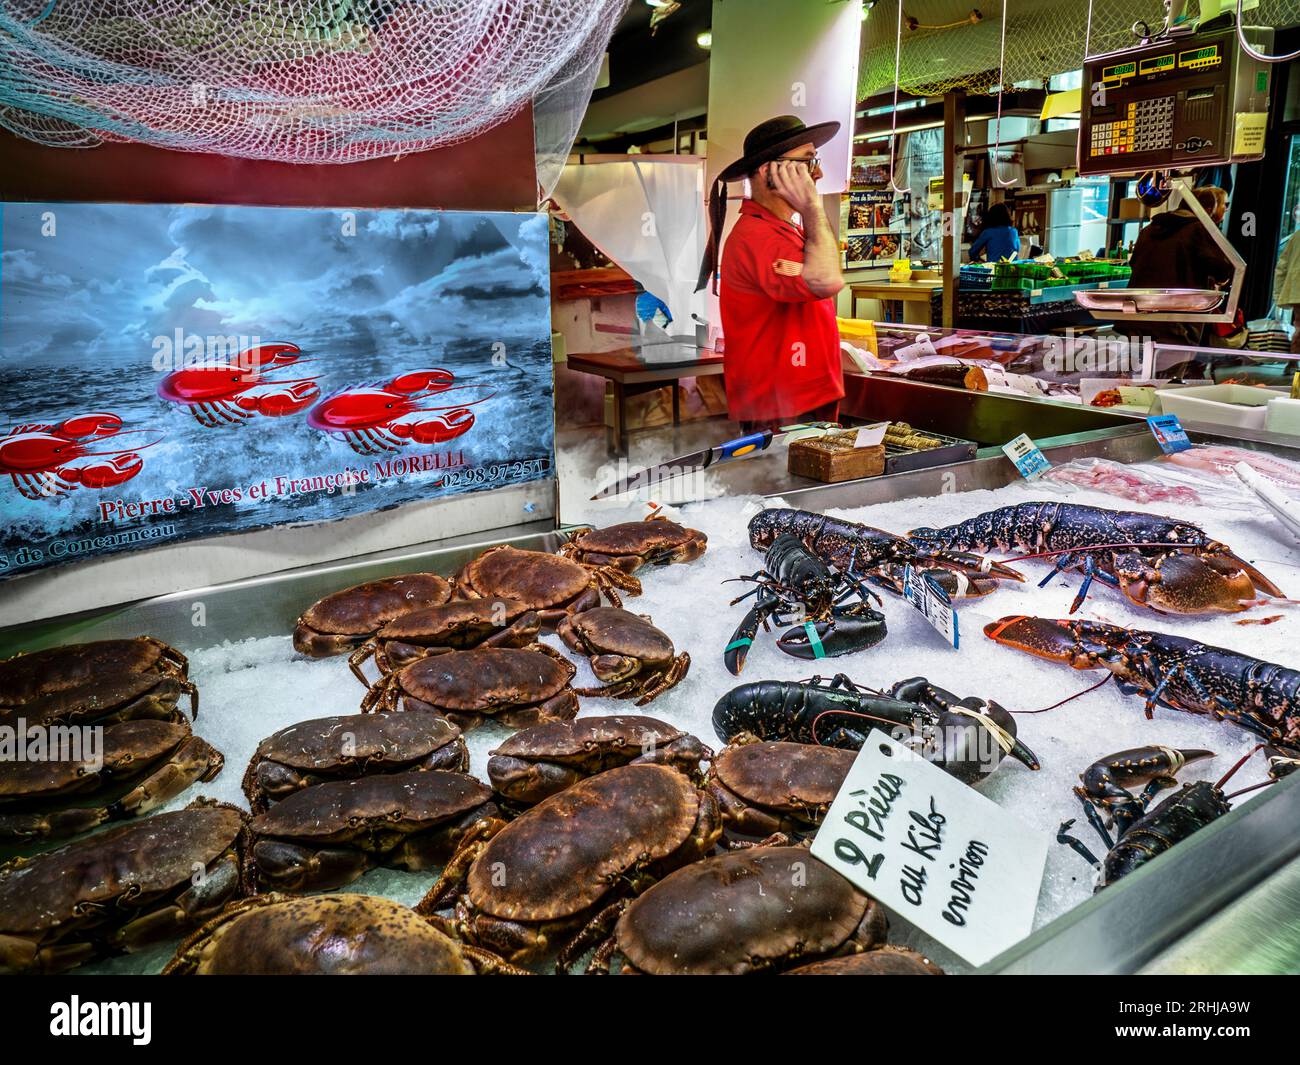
(344, 619)
(629, 545)
(549, 584)
(328, 835)
(520, 686)
(347, 747)
(537, 762)
(747, 911)
(883, 961)
(143, 764)
(456, 626)
(109, 698)
(763, 788)
(546, 873)
(28, 676)
(620, 643)
(321, 935)
(118, 890)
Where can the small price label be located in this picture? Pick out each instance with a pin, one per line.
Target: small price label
(921, 348)
(934, 851)
(924, 593)
(1030, 461)
(871, 435)
(1169, 433)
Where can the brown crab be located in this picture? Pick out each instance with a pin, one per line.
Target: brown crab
(119, 890)
(456, 626)
(555, 872)
(654, 541)
(747, 911)
(882, 961)
(635, 659)
(327, 935)
(327, 835)
(342, 620)
(347, 747)
(106, 700)
(136, 767)
(763, 788)
(31, 675)
(519, 686)
(536, 762)
(549, 584)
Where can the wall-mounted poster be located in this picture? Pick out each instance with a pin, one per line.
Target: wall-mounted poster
(174, 372)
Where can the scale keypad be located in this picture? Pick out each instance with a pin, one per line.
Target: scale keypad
(1147, 126)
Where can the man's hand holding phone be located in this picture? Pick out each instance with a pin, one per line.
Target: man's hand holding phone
(792, 181)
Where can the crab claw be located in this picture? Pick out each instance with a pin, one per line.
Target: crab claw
(850, 629)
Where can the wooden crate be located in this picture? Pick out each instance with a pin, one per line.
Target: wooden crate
(833, 457)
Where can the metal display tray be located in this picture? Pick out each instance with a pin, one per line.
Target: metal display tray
(953, 449)
(1150, 300)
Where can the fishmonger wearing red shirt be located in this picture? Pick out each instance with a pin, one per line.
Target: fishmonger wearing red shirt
(782, 358)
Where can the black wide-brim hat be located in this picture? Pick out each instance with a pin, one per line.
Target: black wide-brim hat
(765, 142)
(773, 138)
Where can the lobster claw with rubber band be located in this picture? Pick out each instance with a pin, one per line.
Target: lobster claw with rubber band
(795, 585)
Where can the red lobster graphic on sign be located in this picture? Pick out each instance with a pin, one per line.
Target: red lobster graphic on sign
(225, 393)
(46, 460)
(388, 416)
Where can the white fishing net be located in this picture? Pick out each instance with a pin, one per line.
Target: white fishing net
(320, 81)
(947, 50)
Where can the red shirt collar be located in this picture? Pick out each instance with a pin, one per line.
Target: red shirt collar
(757, 210)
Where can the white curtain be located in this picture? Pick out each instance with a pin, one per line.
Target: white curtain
(647, 215)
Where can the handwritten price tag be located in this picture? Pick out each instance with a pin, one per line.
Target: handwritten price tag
(871, 435)
(934, 851)
(924, 593)
(1031, 462)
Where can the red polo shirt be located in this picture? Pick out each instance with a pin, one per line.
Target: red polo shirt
(782, 354)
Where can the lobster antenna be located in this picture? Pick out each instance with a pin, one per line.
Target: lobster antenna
(1091, 547)
(848, 713)
(1067, 699)
(1240, 762)
(1253, 787)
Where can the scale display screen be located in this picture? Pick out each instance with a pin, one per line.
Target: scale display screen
(1173, 104)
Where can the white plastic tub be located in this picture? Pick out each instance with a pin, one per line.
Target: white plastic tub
(1241, 406)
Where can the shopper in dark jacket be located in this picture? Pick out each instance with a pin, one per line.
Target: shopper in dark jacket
(1175, 251)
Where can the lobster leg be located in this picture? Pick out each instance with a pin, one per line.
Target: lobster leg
(1076, 845)
(1094, 819)
(1089, 571)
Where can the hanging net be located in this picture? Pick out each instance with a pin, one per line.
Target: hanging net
(318, 81)
(1044, 37)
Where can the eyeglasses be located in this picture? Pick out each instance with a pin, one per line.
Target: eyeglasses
(812, 163)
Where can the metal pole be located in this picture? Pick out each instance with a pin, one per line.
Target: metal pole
(954, 136)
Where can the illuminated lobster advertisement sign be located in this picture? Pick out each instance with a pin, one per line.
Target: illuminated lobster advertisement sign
(171, 372)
